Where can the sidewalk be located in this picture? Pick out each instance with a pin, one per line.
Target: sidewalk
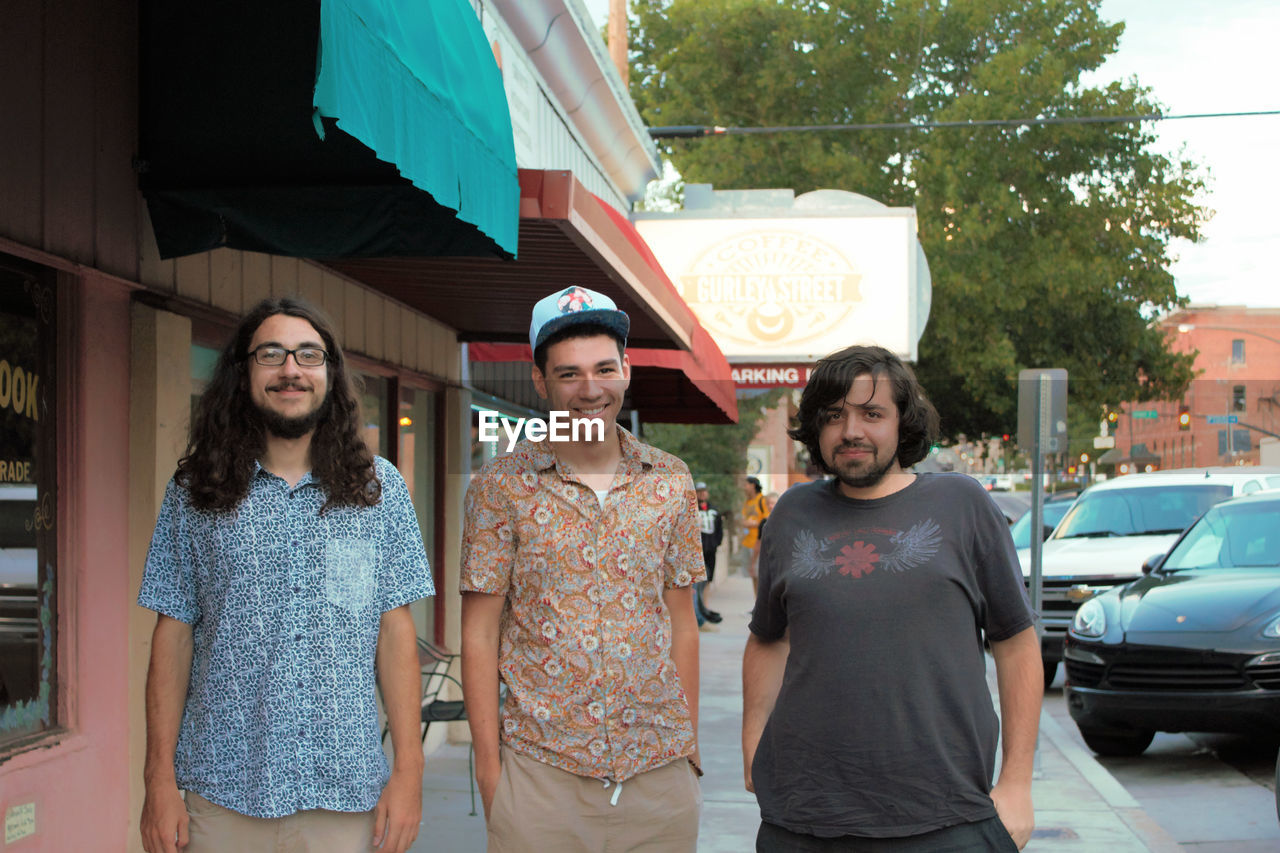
(1079, 805)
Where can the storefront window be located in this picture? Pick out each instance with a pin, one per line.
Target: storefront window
(28, 498)
(373, 404)
(415, 458)
(203, 361)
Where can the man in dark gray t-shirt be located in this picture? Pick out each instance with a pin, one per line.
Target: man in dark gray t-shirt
(867, 719)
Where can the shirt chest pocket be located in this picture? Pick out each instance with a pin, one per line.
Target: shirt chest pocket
(349, 576)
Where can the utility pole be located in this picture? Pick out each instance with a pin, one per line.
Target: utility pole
(618, 38)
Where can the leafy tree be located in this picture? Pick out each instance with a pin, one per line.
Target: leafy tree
(1048, 244)
(717, 454)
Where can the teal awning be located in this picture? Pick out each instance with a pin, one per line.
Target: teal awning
(418, 163)
(419, 85)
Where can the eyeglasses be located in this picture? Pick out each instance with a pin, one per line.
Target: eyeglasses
(269, 356)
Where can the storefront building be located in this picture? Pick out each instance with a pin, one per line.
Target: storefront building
(1231, 407)
(140, 216)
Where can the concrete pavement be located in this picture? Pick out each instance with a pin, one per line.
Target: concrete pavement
(1079, 805)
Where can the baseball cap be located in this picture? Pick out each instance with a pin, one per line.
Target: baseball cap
(699, 486)
(575, 306)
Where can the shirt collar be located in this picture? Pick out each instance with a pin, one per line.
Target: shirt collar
(259, 471)
(539, 456)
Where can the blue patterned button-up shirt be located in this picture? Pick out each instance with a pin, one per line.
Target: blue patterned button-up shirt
(285, 606)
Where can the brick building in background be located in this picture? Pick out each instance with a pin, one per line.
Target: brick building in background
(1233, 404)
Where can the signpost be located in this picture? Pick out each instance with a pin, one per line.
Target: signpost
(1223, 419)
(1146, 415)
(1042, 428)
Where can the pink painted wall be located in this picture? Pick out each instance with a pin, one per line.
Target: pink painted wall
(80, 784)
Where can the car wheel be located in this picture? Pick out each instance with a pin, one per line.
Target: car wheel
(1050, 672)
(1113, 743)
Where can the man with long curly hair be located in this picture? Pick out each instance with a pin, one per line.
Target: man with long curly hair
(281, 569)
(867, 721)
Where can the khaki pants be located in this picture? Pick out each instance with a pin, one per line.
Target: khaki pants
(538, 808)
(214, 829)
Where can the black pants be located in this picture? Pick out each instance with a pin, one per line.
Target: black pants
(709, 557)
(985, 835)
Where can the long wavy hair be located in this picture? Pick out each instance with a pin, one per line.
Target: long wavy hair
(228, 434)
(831, 380)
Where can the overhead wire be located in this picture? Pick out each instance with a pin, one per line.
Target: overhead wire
(694, 131)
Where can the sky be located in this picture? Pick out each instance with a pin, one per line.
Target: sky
(1200, 56)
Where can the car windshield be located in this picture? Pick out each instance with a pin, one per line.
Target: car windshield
(1230, 537)
(1021, 529)
(1138, 512)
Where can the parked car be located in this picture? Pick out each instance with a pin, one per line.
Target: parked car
(1013, 505)
(1116, 524)
(1055, 507)
(1194, 645)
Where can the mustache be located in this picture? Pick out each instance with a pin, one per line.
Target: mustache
(289, 385)
(854, 445)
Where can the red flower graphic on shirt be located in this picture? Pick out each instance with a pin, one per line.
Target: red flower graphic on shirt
(857, 559)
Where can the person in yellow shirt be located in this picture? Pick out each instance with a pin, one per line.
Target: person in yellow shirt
(754, 513)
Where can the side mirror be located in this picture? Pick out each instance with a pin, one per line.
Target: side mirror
(1152, 563)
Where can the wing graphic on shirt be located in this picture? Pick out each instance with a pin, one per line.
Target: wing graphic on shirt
(807, 559)
(914, 546)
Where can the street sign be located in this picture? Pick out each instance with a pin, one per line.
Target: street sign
(1102, 442)
(1053, 403)
(1146, 415)
(1222, 419)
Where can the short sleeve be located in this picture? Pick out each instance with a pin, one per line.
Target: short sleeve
(1000, 580)
(683, 564)
(404, 574)
(168, 580)
(488, 535)
(769, 616)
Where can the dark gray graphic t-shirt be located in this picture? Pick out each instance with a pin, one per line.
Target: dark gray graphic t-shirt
(884, 725)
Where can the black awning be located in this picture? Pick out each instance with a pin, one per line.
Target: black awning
(230, 153)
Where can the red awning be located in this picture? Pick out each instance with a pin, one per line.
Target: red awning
(567, 236)
(667, 386)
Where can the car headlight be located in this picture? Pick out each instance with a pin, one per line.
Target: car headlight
(1272, 631)
(1091, 619)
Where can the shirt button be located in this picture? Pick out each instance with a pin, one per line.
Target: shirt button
(297, 589)
(297, 636)
(299, 683)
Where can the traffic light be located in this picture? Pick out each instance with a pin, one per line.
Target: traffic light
(1113, 416)
(1184, 418)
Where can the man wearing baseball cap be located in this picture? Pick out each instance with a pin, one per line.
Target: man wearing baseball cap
(578, 562)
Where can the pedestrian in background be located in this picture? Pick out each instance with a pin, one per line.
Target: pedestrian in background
(711, 527)
(867, 720)
(578, 564)
(281, 569)
(754, 511)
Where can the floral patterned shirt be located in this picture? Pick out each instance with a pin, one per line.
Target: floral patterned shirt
(585, 636)
(285, 605)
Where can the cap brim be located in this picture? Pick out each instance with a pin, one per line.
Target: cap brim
(615, 321)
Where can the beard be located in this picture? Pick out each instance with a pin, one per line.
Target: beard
(868, 474)
(281, 426)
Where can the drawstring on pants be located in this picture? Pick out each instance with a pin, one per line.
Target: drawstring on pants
(617, 791)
